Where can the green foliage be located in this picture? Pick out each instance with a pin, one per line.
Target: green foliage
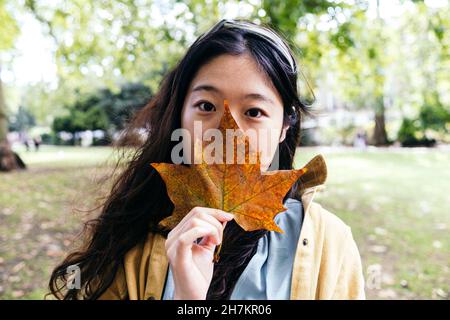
(121, 106)
(342, 39)
(8, 27)
(432, 123)
(284, 15)
(365, 61)
(435, 116)
(22, 120)
(103, 109)
(411, 134)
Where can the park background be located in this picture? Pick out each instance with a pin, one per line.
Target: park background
(376, 71)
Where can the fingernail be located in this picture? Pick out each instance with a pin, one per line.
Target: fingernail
(228, 215)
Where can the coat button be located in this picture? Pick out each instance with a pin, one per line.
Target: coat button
(151, 298)
(305, 242)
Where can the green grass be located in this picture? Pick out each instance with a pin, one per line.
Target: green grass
(393, 200)
(41, 210)
(64, 156)
(396, 201)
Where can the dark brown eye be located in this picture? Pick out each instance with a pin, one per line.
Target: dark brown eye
(206, 106)
(254, 113)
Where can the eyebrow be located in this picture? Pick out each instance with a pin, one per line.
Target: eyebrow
(253, 96)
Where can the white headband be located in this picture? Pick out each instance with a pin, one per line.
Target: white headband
(262, 31)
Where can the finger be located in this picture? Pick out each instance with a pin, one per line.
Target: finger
(186, 240)
(197, 222)
(206, 241)
(180, 228)
(209, 219)
(217, 213)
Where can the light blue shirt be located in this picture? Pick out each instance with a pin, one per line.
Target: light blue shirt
(268, 274)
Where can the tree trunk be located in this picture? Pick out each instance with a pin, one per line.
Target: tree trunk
(3, 119)
(379, 137)
(379, 133)
(9, 160)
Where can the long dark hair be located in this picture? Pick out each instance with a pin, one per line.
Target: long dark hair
(138, 199)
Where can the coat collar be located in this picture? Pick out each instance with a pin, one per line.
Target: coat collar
(312, 181)
(315, 175)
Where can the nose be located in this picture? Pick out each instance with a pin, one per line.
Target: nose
(234, 114)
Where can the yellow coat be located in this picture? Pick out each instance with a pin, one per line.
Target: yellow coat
(327, 264)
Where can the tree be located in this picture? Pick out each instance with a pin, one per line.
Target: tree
(357, 60)
(22, 120)
(8, 159)
(103, 109)
(101, 43)
(285, 16)
(351, 49)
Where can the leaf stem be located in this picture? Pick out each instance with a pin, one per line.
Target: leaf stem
(216, 253)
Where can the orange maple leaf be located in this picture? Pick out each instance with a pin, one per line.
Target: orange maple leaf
(254, 197)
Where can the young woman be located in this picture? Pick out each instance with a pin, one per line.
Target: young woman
(128, 256)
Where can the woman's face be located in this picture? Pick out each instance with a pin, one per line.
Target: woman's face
(253, 101)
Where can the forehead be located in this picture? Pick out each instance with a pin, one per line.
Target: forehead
(235, 75)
